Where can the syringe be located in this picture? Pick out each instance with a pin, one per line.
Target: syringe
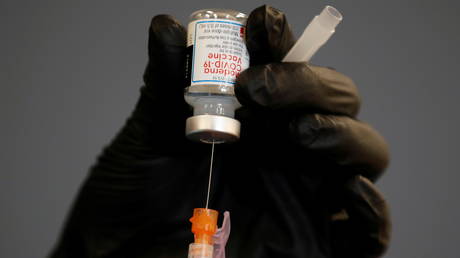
(315, 35)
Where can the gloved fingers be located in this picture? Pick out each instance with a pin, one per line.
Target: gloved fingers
(161, 110)
(352, 145)
(166, 51)
(297, 87)
(366, 232)
(269, 36)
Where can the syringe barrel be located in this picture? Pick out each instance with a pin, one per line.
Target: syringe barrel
(197, 250)
(315, 35)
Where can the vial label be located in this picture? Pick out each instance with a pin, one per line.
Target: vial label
(216, 52)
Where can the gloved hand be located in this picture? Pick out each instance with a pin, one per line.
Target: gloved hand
(282, 182)
(314, 109)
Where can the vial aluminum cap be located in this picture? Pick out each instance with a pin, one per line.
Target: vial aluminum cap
(212, 128)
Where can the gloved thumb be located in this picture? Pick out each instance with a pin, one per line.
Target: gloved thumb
(166, 51)
(269, 36)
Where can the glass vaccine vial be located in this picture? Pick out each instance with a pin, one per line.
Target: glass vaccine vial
(216, 55)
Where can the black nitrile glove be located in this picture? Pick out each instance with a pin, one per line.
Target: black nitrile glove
(362, 229)
(295, 168)
(306, 114)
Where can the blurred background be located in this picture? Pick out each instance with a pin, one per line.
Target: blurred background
(70, 73)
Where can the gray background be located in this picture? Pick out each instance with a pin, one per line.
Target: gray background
(70, 74)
